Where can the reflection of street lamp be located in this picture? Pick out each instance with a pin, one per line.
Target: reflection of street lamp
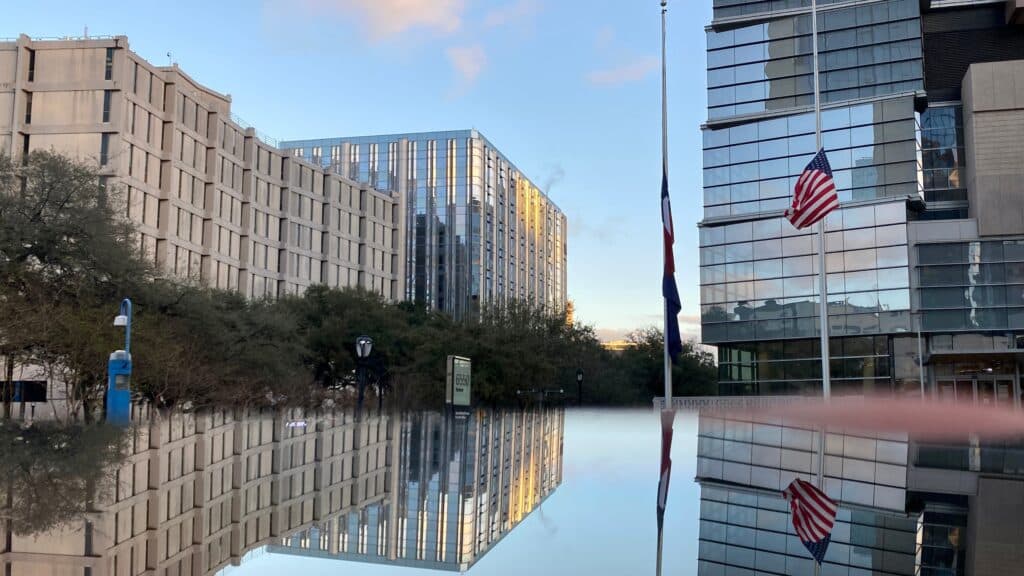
(579, 386)
(364, 345)
(119, 371)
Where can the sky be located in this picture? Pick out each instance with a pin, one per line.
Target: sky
(601, 520)
(569, 90)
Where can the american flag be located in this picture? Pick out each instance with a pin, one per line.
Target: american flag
(668, 281)
(814, 514)
(815, 193)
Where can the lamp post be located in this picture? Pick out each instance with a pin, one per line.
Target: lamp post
(119, 371)
(579, 386)
(364, 345)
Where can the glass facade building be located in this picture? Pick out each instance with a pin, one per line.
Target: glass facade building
(478, 231)
(910, 255)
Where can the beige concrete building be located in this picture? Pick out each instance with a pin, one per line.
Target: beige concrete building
(198, 492)
(213, 199)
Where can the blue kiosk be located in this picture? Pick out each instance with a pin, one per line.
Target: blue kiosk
(119, 372)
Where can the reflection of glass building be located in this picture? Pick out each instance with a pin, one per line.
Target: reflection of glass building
(925, 151)
(478, 231)
(458, 486)
(193, 493)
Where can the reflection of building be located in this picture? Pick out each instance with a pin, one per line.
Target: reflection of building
(212, 198)
(480, 232)
(906, 507)
(197, 491)
(926, 155)
(459, 485)
(742, 467)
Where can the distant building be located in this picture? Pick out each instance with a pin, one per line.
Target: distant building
(618, 345)
(478, 231)
(213, 199)
(459, 485)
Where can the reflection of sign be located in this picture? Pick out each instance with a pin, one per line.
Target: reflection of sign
(460, 383)
(296, 424)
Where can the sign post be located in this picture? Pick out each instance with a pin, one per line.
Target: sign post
(458, 391)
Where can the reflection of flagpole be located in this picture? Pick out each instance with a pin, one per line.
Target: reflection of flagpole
(826, 384)
(666, 435)
(664, 168)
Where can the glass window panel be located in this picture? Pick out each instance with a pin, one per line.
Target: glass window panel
(942, 253)
(768, 249)
(862, 238)
(836, 283)
(985, 296)
(1015, 295)
(768, 289)
(860, 259)
(944, 297)
(943, 275)
(892, 256)
(890, 235)
(798, 245)
(741, 232)
(745, 192)
(798, 266)
(800, 286)
(767, 269)
(802, 124)
(763, 229)
(943, 320)
(716, 195)
(864, 280)
(775, 168)
(1013, 250)
(710, 235)
(775, 128)
(775, 188)
(894, 299)
(987, 318)
(739, 271)
(714, 138)
(985, 274)
(743, 133)
(738, 252)
(1014, 271)
(859, 217)
(716, 157)
(893, 278)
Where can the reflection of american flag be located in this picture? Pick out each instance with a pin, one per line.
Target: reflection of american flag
(814, 514)
(815, 193)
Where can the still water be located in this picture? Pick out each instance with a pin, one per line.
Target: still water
(542, 491)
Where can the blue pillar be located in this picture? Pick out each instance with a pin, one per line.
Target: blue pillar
(119, 372)
(119, 394)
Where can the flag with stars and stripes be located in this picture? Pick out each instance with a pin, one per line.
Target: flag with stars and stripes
(814, 514)
(815, 193)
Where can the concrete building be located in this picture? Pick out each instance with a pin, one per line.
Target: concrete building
(458, 486)
(197, 492)
(213, 199)
(921, 123)
(478, 231)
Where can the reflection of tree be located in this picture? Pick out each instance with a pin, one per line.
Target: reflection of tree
(50, 475)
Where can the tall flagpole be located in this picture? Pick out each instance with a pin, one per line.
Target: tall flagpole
(664, 168)
(826, 384)
(668, 358)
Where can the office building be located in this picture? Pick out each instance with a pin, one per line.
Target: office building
(478, 231)
(458, 486)
(189, 494)
(214, 200)
(922, 125)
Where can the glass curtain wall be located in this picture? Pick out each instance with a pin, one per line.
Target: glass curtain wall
(758, 273)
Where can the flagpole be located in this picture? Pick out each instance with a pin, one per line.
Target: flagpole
(664, 168)
(826, 384)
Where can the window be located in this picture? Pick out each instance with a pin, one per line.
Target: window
(108, 69)
(28, 108)
(31, 65)
(106, 106)
(104, 149)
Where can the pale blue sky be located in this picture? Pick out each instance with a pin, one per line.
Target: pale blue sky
(567, 89)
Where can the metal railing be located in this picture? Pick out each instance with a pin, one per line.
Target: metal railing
(276, 143)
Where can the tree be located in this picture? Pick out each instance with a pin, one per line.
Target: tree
(693, 374)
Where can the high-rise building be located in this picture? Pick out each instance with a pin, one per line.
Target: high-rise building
(458, 486)
(925, 259)
(478, 231)
(213, 199)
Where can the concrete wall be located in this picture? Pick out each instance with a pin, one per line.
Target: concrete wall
(993, 97)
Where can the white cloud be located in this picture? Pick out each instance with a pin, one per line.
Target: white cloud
(509, 13)
(468, 62)
(629, 72)
(387, 18)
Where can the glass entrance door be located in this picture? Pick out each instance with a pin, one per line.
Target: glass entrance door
(995, 390)
(956, 390)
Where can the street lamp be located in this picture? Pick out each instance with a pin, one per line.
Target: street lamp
(119, 371)
(579, 386)
(364, 345)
